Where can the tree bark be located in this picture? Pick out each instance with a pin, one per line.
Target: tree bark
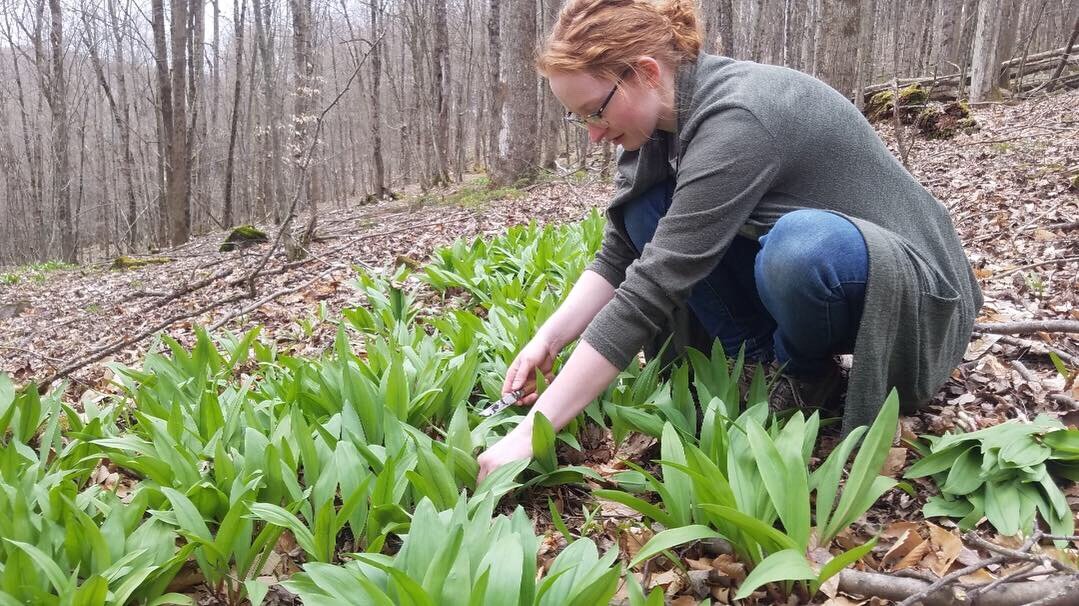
(983, 68)
(497, 89)
(57, 100)
(440, 86)
(517, 157)
(239, 15)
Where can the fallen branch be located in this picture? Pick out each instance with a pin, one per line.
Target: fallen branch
(1033, 265)
(257, 304)
(188, 289)
(1034, 346)
(103, 352)
(1026, 328)
(895, 588)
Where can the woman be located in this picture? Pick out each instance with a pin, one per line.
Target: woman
(755, 197)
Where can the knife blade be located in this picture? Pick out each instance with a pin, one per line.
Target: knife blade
(503, 403)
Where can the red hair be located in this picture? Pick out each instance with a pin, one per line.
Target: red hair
(605, 37)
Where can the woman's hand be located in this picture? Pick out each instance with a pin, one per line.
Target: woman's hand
(515, 446)
(539, 354)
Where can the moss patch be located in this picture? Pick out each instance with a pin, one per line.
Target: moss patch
(882, 104)
(243, 237)
(126, 262)
(479, 192)
(947, 121)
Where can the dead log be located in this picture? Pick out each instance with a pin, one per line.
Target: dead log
(1039, 62)
(1060, 592)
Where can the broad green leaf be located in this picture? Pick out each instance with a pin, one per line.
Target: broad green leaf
(867, 464)
(965, 475)
(786, 565)
(48, 566)
(256, 591)
(559, 523)
(274, 514)
(841, 561)
(543, 443)
(1002, 507)
(671, 538)
(639, 505)
(786, 480)
(1064, 440)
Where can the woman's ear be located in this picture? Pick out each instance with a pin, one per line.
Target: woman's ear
(648, 71)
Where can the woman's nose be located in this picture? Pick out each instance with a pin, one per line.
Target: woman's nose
(595, 133)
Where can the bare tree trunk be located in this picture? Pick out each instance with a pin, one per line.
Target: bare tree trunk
(842, 26)
(725, 43)
(517, 143)
(552, 110)
(172, 86)
(305, 155)
(944, 36)
(440, 86)
(865, 54)
(272, 184)
(374, 97)
(983, 69)
(497, 87)
(1009, 22)
(963, 53)
(57, 100)
(239, 14)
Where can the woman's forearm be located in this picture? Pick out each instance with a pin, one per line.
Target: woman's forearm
(589, 295)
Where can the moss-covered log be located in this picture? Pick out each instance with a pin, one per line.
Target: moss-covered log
(911, 100)
(243, 237)
(126, 262)
(946, 122)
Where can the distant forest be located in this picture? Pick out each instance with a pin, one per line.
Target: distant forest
(127, 126)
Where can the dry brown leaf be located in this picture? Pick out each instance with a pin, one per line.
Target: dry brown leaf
(841, 600)
(721, 595)
(908, 542)
(701, 564)
(893, 465)
(726, 565)
(898, 529)
(914, 556)
(632, 539)
(978, 577)
(947, 547)
(684, 600)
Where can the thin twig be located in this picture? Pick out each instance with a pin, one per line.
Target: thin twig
(257, 304)
(1023, 553)
(1033, 265)
(1037, 347)
(100, 354)
(1026, 328)
(1018, 574)
(945, 580)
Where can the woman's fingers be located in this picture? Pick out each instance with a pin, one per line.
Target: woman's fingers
(511, 375)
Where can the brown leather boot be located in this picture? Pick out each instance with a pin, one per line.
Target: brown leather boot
(822, 391)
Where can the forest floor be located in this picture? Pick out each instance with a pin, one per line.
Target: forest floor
(1012, 188)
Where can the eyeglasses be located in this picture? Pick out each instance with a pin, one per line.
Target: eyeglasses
(596, 117)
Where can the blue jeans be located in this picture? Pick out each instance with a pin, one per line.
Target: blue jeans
(796, 295)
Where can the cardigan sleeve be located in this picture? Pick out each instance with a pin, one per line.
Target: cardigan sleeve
(729, 162)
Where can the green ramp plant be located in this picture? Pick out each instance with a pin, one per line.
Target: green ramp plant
(464, 556)
(768, 480)
(1004, 473)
